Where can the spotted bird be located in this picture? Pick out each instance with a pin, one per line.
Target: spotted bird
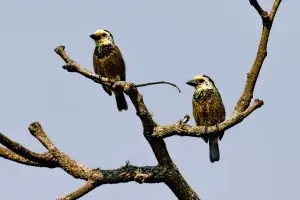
(109, 63)
(208, 110)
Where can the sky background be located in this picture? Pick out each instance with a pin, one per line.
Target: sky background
(160, 40)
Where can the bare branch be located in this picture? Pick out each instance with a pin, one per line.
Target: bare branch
(36, 130)
(274, 9)
(127, 173)
(60, 50)
(94, 177)
(72, 66)
(199, 131)
(9, 155)
(159, 82)
(252, 76)
(89, 186)
(263, 14)
(23, 152)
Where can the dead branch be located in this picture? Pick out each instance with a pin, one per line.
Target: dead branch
(9, 155)
(94, 177)
(200, 131)
(24, 152)
(252, 76)
(88, 186)
(263, 14)
(72, 66)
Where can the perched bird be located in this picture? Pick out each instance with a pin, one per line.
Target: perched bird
(108, 62)
(208, 110)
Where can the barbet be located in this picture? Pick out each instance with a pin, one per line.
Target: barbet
(208, 110)
(109, 63)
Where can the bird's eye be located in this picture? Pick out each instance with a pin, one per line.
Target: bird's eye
(103, 35)
(201, 81)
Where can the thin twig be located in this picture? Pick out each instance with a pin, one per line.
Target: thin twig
(89, 186)
(158, 82)
(258, 8)
(274, 9)
(261, 54)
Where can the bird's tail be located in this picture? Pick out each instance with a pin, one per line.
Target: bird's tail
(214, 153)
(107, 90)
(121, 101)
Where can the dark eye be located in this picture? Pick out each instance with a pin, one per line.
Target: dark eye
(201, 81)
(103, 35)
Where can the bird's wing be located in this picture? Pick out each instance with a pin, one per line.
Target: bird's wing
(121, 63)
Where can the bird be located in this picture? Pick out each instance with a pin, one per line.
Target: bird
(208, 110)
(109, 63)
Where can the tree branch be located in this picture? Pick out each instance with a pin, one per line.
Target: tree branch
(36, 130)
(94, 177)
(263, 14)
(88, 186)
(274, 9)
(15, 147)
(9, 155)
(252, 76)
(127, 173)
(199, 131)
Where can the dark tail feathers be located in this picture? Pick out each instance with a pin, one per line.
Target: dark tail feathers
(214, 153)
(107, 90)
(121, 101)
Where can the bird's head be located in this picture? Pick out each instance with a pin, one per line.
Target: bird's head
(102, 37)
(201, 82)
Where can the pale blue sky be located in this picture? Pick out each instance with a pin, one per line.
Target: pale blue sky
(160, 40)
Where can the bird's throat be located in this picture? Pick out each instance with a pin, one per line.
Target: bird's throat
(102, 51)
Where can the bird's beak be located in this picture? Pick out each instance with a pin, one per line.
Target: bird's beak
(191, 83)
(93, 36)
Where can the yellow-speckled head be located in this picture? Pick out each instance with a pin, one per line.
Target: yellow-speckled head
(201, 82)
(102, 37)
(198, 78)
